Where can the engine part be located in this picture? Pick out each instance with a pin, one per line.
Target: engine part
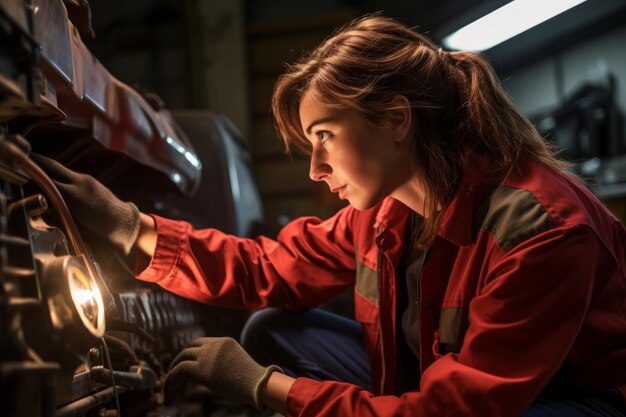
(78, 334)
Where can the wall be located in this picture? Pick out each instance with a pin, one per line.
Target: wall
(143, 43)
(286, 189)
(216, 39)
(191, 53)
(539, 86)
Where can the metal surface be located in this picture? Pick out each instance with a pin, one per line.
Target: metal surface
(80, 92)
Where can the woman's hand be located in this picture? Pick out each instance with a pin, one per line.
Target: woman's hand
(221, 364)
(93, 205)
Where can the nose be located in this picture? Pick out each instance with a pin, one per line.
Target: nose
(319, 169)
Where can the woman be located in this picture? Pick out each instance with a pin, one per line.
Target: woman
(487, 281)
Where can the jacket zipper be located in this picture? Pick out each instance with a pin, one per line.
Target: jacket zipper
(419, 304)
(380, 323)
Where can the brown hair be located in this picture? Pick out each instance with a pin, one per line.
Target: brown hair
(457, 103)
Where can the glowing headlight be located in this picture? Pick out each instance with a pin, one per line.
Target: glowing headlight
(74, 300)
(86, 296)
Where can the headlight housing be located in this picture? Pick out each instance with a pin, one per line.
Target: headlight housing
(74, 300)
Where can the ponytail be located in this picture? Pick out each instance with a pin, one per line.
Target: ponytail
(498, 127)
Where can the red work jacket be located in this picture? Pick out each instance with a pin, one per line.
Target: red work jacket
(526, 278)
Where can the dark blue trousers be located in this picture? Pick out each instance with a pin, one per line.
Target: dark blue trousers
(324, 346)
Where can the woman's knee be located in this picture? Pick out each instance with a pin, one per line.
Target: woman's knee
(259, 325)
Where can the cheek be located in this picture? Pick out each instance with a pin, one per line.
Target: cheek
(360, 160)
(352, 163)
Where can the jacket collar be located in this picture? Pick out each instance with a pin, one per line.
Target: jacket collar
(391, 214)
(390, 227)
(457, 221)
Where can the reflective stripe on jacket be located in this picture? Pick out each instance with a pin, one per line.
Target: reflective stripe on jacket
(524, 286)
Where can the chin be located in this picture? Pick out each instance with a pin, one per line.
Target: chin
(362, 205)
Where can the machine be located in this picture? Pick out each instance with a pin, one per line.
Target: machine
(78, 334)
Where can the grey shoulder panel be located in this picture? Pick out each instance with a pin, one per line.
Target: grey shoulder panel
(512, 216)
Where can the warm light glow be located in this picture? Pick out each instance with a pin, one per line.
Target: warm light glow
(75, 303)
(504, 23)
(83, 297)
(86, 295)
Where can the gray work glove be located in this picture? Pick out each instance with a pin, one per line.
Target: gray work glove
(93, 205)
(220, 364)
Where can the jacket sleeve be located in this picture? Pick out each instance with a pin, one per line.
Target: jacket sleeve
(523, 324)
(310, 262)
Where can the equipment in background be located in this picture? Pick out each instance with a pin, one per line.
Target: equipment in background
(589, 130)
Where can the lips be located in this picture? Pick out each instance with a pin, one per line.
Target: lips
(340, 190)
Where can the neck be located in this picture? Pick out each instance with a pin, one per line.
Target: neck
(413, 196)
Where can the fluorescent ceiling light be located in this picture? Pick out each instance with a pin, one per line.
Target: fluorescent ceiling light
(504, 23)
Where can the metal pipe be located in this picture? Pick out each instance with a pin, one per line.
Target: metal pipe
(85, 404)
(15, 157)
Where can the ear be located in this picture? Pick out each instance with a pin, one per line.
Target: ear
(399, 118)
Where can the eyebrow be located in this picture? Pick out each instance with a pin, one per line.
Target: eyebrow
(317, 122)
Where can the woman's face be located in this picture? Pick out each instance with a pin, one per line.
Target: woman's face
(361, 163)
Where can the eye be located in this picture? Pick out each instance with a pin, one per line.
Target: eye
(323, 136)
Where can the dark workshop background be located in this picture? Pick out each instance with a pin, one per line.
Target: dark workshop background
(226, 55)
